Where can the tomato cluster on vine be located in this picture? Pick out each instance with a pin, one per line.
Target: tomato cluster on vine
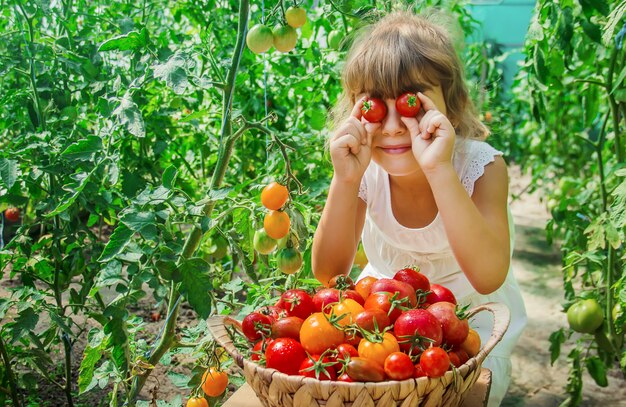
(377, 329)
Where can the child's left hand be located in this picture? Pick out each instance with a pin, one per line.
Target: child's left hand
(432, 136)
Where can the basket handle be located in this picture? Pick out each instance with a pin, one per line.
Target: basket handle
(217, 326)
(501, 320)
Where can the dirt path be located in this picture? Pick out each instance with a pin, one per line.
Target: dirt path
(537, 267)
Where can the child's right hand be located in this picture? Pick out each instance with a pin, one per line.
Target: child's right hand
(351, 146)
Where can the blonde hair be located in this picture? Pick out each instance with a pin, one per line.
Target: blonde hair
(404, 52)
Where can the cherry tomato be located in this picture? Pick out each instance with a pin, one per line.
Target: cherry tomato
(344, 377)
(345, 352)
(346, 311)
(289, 260)
(288, 327)
(413, 277)
(585, 316)
(341, 282)
(383, 302)
(214, 382)
(255, 325)
(471, 344)
(274, 196)
(284, 355)
(285, 38)
(374, 110)
(276, 224)
(318, 334)
(398, 366)
(325, 297)
(353, 295)
(273, 312)
(318, 367)
(417, 328)
(297, 303)
(259, 39)
(440, 293)
(259, 349)
(364, 286)
(434, 362)
(12, 215)
(365, 370)
(454, 359)
(370, 319)
(408, 104)
(378, 351)
(454, 329)
(419, 372)
(197, 402)
(263, 243)
(404, 290)
(295, 16)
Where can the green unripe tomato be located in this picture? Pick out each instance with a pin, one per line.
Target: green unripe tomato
(218, 246)
(295, 16)
(585, 316)
(285, 38)
(289, 260)
(263, 243)
(334, 39)
(259, 39)
(282, 242)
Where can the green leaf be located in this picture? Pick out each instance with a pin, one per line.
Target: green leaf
(141, 222)
(130, 117)
(8, 172)
(557, 338)
(118, 241)
(83, 150)
(540, 65)
(592, 31)
(602, 6)
(169, 177)
(173, 73)
(178, 379)
(24, 323)
(131, 41)
(597, 370)
(196, 283)
(74, 188)
(91, 356)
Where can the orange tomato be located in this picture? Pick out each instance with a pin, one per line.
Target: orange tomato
(317, 334)
(471, 344)
(274, 196)
(349, 309)
(214, 382)
(197, 402)
(378, 351)
(276, 224)
(364, 286)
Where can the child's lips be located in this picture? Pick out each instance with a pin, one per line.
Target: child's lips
(396, 149)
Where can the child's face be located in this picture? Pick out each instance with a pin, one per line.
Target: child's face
(391, 141)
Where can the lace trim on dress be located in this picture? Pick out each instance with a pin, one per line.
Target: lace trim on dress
(476, 167)
(363, 190)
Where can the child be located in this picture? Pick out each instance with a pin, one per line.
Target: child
(422, 191)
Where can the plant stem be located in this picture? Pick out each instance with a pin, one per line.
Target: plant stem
(614, 107)
(9, 371)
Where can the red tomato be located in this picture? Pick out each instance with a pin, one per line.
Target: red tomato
(370, 319)
(392, 286)
(344, 377)
(413, 277)
(440, 293)
(382, 301)
(435, 362)
(324, 297)
(12, 215)
(454, 330)
(273, 312)
(297, 303)
(341, 282)
(461, 354)
(398, 366)
(256, 325)
(417, 328)
(285, 355)
(364, 286)
(317, 367)
(454, 359)
(408, 104)
(374, 110)
(318, 334)
(364, 370)
(288, 327)
(418, 371)
(352, 295)
(259, 349)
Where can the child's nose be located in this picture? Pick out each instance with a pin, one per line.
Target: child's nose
(392, 125)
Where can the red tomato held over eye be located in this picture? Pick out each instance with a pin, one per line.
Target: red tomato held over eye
(392, 286)
(297, 303)
(398, 366)
(414, 278)
(324, 297)
(417, 328)
(454, 330)
(440, 293)
(374, 110)
(288, 327)
(255, 325)
(318, 368)
(434, 362)
(408, 104)
(285, 355)
(12, 215)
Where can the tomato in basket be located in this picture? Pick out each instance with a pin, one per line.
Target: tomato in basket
(285, 355)
(454, 328)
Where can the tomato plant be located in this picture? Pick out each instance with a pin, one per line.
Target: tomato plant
(12, 214)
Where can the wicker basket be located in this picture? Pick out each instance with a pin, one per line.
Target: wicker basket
(277, 389)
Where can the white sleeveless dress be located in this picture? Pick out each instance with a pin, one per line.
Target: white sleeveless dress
(390, 246)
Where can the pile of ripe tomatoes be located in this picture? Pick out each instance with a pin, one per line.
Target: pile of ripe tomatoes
(376, 330)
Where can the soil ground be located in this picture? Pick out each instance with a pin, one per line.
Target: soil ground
(535, 383)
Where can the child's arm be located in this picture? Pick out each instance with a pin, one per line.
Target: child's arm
(338, 232)
(477, 226)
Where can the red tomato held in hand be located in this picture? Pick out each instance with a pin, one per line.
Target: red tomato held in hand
(398, 366)
(374, 110)
(417, 328)
(256, 325)
(12, 215)
(285, 355)
(440, 293)
(434, 362)
(297, 303)
(408, 104)
(454, 330)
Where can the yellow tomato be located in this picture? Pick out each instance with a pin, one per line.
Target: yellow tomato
(378, 351)
(349, 309)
